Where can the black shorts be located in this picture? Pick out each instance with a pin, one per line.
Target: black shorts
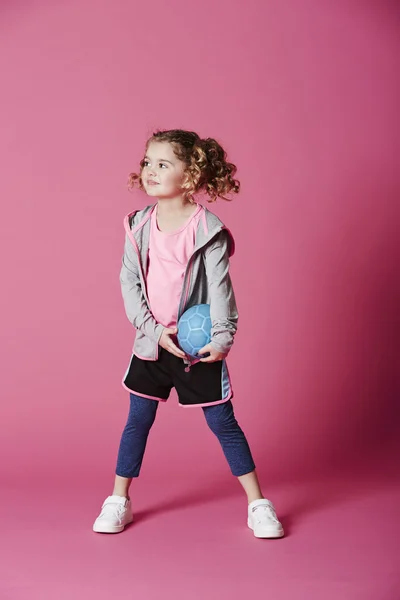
(204, 384)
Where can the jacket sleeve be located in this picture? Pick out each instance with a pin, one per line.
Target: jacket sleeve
(136, 307)
(224, 314)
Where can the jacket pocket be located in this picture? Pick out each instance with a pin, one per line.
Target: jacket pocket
(144, 347)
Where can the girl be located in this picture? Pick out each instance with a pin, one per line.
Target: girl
(177, 255)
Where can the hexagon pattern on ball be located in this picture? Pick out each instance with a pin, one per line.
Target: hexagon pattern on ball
(194, 329)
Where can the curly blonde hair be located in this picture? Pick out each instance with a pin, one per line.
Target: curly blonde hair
(206, 163)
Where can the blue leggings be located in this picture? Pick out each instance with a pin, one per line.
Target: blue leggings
(220, 419)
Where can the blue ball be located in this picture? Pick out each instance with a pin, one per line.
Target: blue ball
(194, 329)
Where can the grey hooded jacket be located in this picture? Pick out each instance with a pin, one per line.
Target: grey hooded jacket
(206, 281)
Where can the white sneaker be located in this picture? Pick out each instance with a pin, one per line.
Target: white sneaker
(263, 521)
(116, 512)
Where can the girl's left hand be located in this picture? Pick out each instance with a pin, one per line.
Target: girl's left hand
(214, 354)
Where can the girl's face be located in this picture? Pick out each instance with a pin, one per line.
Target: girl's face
(162, 173)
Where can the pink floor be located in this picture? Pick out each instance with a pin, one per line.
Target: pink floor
(190, 541)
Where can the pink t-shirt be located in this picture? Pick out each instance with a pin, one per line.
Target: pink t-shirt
(169, 254)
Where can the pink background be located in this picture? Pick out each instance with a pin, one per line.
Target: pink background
(305, 98)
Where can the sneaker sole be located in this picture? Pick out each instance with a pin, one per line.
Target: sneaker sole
(279, 533)
(110, 528)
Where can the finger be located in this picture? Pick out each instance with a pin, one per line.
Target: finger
(175, 350)
(209, 359)
(204, 350)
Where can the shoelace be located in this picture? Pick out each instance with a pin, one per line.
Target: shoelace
(265, 513)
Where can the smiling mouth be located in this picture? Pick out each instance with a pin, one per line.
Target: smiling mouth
(152, 182)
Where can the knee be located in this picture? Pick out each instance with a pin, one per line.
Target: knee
(219, 419)
(142, 413)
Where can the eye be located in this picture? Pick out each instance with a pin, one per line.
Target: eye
(145, 163)
(163, 165)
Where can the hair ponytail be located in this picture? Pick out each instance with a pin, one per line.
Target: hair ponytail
(218, 173)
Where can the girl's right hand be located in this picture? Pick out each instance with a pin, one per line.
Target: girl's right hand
(167, 343)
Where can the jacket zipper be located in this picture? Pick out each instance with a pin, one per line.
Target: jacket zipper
(187, 362)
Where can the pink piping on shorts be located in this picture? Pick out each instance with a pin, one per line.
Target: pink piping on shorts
(207, 403)
(143, 395)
